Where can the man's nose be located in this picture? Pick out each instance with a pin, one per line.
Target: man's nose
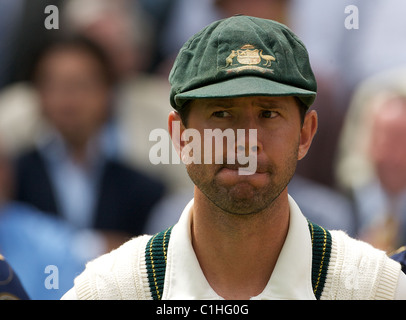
(247, 140)
(247, 147)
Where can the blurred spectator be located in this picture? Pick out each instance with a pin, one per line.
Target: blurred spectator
(372, 160)
(31, 240)
(72, 171)
(141, 100)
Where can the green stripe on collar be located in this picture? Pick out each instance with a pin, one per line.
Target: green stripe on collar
(155, 259)
(157, 248)
(321, 250)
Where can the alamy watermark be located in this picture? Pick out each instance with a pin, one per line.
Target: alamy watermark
(52, 20)
(51, 281)
(352, 19)
(215, 146)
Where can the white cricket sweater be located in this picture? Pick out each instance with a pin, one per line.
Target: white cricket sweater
(355, 270)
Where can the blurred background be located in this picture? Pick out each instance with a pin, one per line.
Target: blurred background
(77, 105)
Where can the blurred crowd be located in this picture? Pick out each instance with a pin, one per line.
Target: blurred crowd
(77, 105)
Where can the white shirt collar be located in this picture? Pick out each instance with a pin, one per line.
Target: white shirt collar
(290, 279)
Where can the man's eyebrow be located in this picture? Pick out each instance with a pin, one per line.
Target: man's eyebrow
(271, 105)
(219, 104)
(268, 105)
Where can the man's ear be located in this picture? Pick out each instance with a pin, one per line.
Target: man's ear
(307, 133)
(176, 128)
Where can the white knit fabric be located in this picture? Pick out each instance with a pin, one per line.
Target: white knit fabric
(118, 275)
(356, 271)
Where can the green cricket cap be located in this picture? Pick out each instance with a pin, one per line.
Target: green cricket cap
(242, 56)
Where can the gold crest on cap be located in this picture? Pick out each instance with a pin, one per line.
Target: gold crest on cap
(249, 58)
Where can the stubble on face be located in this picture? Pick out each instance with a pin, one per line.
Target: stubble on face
(244, 197)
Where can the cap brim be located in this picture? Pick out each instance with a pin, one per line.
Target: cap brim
(245, 86)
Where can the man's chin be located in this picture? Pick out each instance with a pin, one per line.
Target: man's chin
(240, 199)
(241, 207)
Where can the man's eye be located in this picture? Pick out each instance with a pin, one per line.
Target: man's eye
(221, 114)
(269, 114)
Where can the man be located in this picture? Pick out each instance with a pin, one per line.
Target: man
(242, 236)
(382, 200)
(72, 171)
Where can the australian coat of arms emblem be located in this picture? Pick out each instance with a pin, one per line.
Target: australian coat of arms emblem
(249, 57)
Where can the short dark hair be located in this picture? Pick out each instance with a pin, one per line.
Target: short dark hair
(73, 41)
(185, 110)
(302, 109)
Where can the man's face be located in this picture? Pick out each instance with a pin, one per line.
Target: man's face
(278, 126)
(74, 96)
(387, 145)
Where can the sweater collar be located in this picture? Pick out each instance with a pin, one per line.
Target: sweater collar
(290, 279)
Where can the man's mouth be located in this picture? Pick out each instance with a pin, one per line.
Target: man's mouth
(238, 167)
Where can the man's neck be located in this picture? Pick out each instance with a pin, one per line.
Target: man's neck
(237, 254)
